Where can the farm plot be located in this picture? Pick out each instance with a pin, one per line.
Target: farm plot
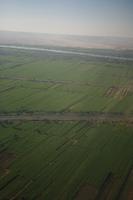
(65, 83)
(29, 96)
(57, 160)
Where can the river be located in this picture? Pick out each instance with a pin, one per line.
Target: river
(66, 52)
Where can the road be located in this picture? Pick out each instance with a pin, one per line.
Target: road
(66, 52)
(93, 117)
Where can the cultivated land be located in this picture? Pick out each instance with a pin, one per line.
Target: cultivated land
(66, 125)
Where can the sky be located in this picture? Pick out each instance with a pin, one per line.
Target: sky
(76, 17)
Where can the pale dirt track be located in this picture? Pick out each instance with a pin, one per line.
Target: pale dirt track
(95, 117)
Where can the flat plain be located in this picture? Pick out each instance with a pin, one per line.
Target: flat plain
(63, 159)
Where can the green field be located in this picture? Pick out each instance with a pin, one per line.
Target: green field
(58, 160)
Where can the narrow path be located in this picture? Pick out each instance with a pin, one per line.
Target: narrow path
(43, 81)
(62, 82)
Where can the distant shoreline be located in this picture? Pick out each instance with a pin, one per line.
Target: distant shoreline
(64, 40)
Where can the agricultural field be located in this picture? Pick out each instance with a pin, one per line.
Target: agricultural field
(48, 82)
(66, 125)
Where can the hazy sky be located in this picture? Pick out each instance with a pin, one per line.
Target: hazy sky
(82, 17)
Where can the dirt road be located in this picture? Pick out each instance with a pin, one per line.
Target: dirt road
(93, 117)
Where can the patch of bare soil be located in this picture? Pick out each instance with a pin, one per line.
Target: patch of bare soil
(130, 189)
(118, 92)
(122, 92)
(111, 91)
(86, 192)
(5, 160)
(130, 193)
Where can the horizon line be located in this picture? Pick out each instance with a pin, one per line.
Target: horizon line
(66, 34)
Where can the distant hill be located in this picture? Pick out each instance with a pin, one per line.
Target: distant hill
(42, 39)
